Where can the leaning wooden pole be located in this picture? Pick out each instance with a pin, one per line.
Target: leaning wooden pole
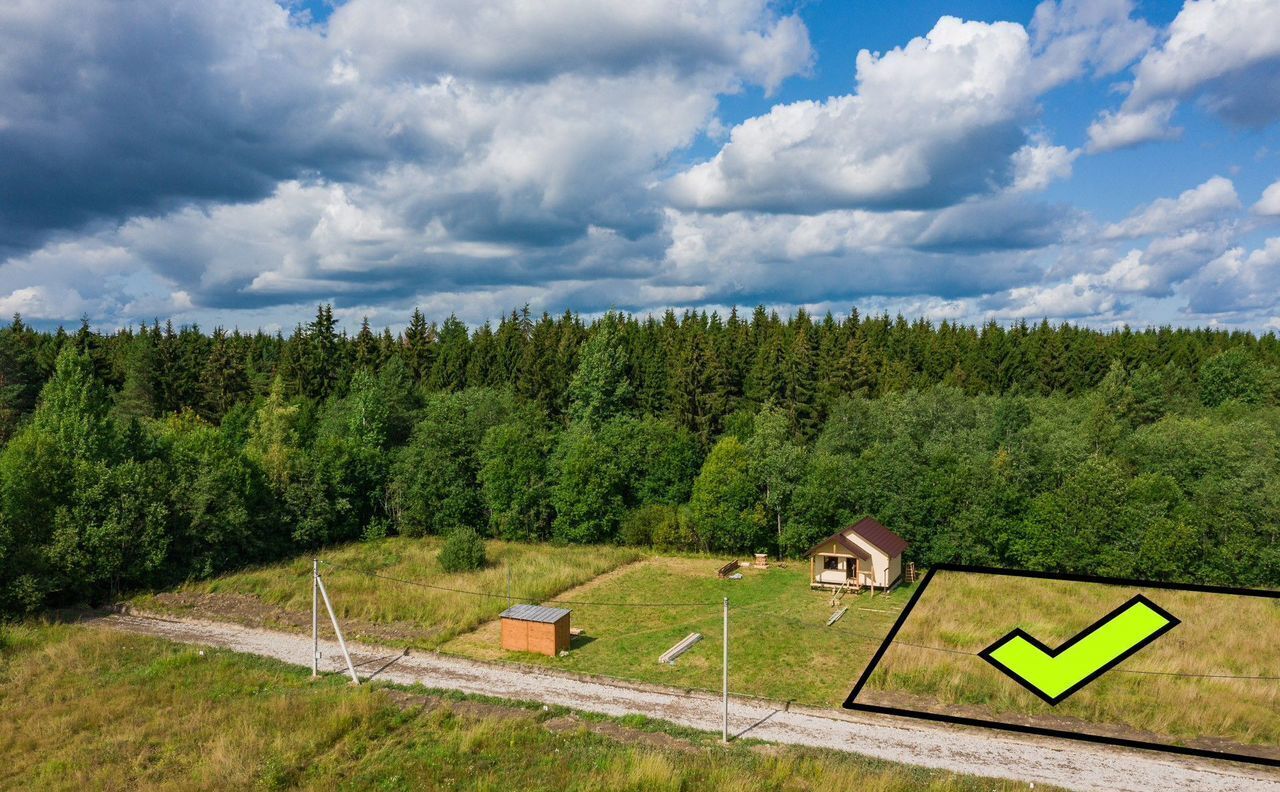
(355, 680)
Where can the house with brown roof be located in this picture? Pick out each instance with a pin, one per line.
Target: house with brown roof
(863, 554)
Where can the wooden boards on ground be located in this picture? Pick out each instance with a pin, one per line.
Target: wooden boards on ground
(669, 656)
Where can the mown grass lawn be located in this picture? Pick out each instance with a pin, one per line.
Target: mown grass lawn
(384, 611)
(1219, 634)
(86, 708)
(780, 647)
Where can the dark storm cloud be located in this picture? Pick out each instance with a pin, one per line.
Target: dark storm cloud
(113, 109)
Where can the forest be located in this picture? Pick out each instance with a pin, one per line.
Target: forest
(151, 455)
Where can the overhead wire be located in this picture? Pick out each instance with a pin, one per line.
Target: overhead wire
(796, 622)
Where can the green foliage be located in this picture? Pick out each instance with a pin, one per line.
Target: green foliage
(462, 551)
(73, 409)
(114, 530)
(153, 454)
(600, 389)
(513, 477)
(222, 502)
(725, 506)
(434, 484)
(1233, 374)
(661, 526)
(777, 463)
(589, 494)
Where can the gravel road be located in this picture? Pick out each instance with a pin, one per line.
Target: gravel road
(1063, 763)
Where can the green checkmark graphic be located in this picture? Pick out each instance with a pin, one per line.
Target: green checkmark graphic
(1054, 674)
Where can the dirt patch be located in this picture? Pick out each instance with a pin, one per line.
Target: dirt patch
(480, 709)
(623, 734)
(560, 724)
(1075, 725)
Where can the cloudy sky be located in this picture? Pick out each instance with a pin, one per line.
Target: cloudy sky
(234, 162)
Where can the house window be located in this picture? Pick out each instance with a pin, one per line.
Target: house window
(830, 562)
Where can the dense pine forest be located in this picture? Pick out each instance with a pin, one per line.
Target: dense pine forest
(156, 454)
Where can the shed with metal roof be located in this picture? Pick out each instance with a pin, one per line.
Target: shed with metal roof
(535, 628)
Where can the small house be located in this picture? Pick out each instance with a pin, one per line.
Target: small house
(863, 554)
(534, 628)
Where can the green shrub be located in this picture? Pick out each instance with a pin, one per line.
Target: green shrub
(674, 530)
(463, 551)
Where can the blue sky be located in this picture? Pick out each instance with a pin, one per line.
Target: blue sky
(234, 162)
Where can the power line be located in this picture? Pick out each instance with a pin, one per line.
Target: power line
(435, 587)
(863, 636)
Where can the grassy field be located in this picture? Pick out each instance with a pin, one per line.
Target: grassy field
(384, 611)
(85, 708)
(780, 648)
(1219, 634)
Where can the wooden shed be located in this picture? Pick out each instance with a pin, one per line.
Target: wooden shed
(534, 628)
(863, 554)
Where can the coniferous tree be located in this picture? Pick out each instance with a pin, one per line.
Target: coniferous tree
(321, 361)
(367, 354)
(600, 389)
(417, 347)
(223, 380)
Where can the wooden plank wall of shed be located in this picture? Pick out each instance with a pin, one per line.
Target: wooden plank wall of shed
(562, 635)
(515, 635)
(542, 637)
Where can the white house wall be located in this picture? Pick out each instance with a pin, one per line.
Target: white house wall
(880, 561)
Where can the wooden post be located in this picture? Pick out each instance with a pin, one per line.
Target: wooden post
(315, 617)
(725, 680)
(812, 576)
(355, 680)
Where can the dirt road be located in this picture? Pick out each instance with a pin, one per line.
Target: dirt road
(1064, 763)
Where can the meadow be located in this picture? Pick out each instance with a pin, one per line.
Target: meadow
(87, 708)
(775, 622)
(382, 610)
(780, 646)
(1153, 693)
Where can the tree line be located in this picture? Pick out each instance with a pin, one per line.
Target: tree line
(152, 454)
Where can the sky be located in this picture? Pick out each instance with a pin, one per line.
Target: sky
(236, 162)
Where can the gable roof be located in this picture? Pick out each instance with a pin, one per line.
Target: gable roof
(875, 533)
(839, 538)
(534, 613)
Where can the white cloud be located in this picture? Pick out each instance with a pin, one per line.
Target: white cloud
(1226, 52)
(1269, 204)
(473, 156)
(42, 302)
(1081, 297)
(1210, 40)
(1040, 163)
(404, 147)
(521, 41)
(1071, 35)
(930, 123)
(1211, 200)
(1125, 128)
(1238, 280)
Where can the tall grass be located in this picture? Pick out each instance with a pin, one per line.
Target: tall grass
(82, 708)
(1219, 633)
(379, 609)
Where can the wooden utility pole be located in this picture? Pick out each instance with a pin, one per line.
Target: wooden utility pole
(725, 680)
(333, 617)
(315, 617)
